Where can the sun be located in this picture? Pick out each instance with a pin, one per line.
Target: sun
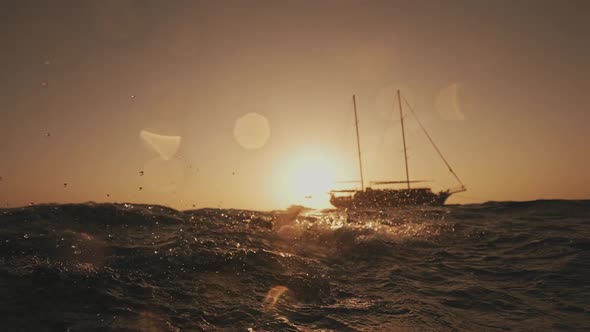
(308, 180)
(312, 182)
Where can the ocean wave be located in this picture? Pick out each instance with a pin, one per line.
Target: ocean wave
(134, 267)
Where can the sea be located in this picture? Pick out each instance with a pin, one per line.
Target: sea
(497, 266)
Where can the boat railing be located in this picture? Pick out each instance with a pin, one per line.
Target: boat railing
(381, 183)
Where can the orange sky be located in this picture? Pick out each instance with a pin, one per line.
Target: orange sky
(501, 87)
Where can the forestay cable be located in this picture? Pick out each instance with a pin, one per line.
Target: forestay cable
(434, 145)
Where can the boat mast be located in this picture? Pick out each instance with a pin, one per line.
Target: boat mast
(401, 117)
(358, 142)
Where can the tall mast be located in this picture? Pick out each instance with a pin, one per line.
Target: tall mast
(401, 116)
(358, 142)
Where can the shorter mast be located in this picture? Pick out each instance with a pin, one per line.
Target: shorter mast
(358, 143)
(401, 117)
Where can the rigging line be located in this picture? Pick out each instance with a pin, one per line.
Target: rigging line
(401, 117)
(390, 123)
(432, 142)
(358, 142)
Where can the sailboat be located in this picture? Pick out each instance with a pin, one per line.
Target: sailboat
(375, 198)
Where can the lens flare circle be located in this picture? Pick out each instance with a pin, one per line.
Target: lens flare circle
(447, 103)
(252, 131)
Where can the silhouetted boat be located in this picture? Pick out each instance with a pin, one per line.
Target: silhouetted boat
(371, 198)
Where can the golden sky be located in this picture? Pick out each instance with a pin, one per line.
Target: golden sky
(247, 104)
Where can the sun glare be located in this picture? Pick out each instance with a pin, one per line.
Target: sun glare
(308, 180)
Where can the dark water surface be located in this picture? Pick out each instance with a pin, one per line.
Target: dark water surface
(489, 267)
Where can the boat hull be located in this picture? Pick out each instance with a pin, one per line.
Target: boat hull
(389, 198)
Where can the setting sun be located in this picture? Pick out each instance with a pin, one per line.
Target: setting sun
(307, 179)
